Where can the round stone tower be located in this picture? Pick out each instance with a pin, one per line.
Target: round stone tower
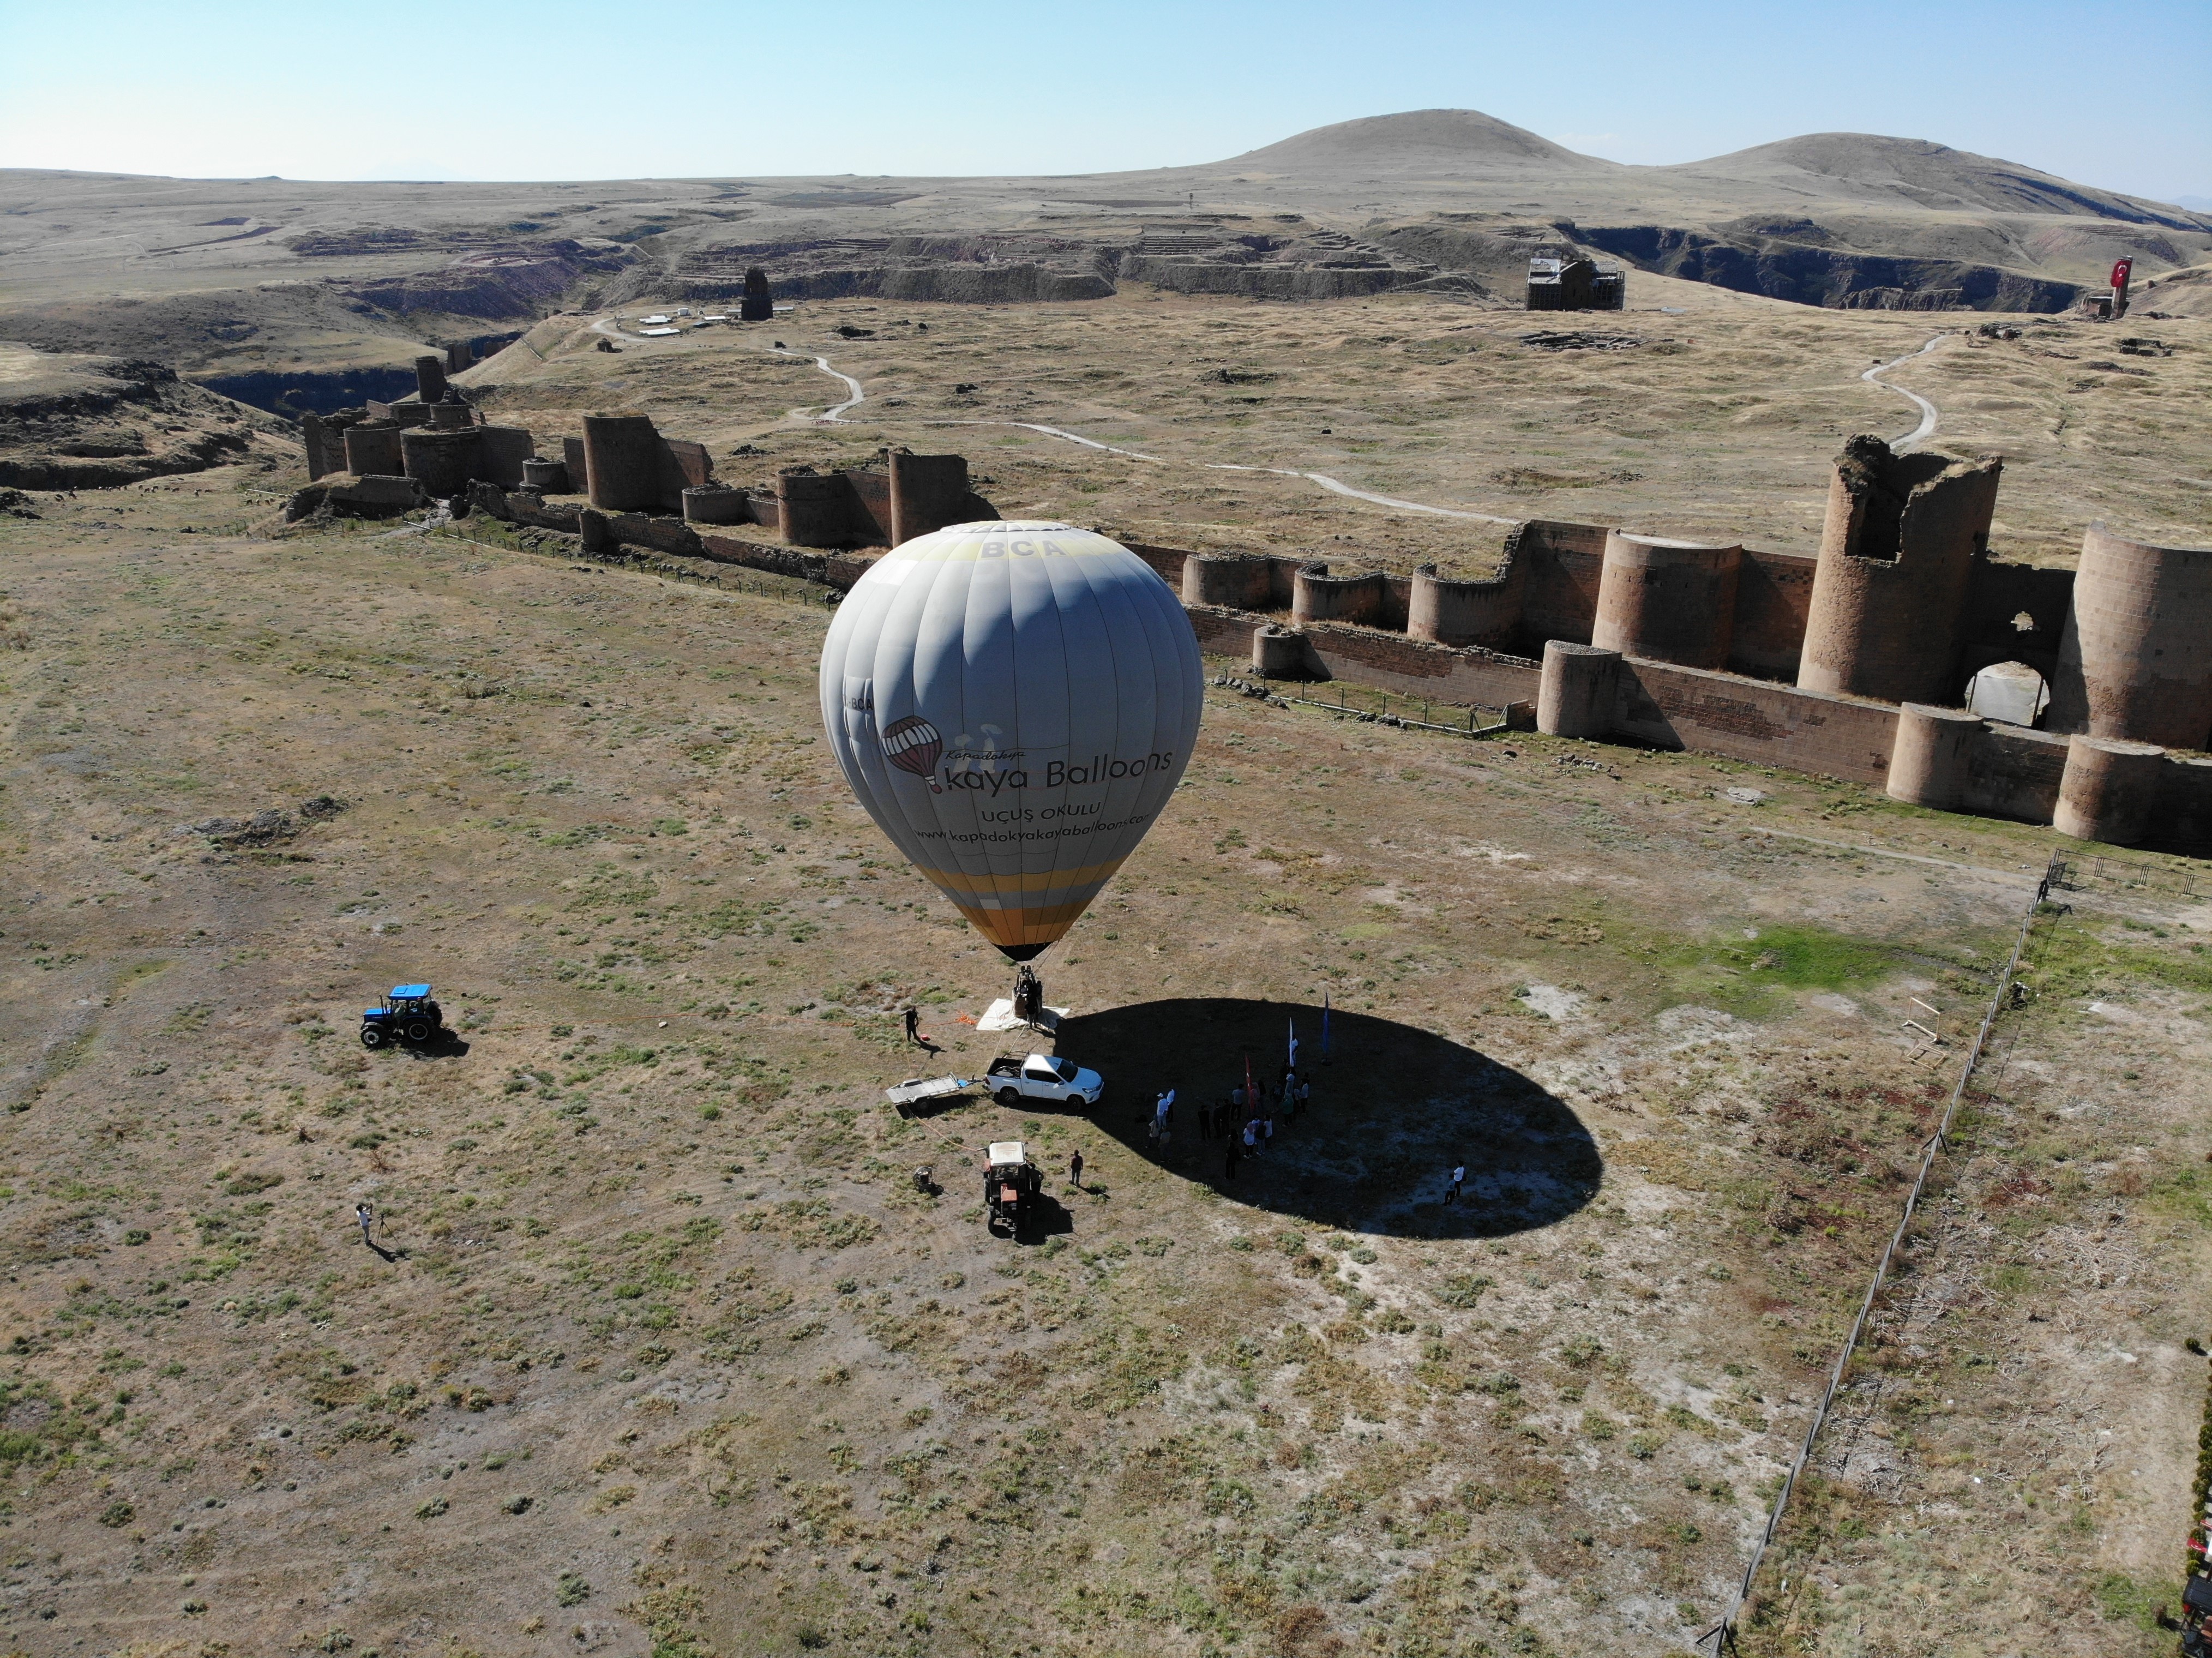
(622, 462)
(1897, 555)
(1930, 763)
(1669, 601)
(2134, 661)
(2110, 790)
(1579, 690)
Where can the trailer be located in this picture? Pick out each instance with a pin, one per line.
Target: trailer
(914, 1089)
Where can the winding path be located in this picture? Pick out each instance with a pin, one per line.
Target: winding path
(1927, 414)
(834, 416)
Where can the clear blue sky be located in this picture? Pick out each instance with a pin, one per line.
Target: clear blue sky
(2114, 92)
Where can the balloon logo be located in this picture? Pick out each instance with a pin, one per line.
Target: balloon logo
(913, 745)
(1076, 664)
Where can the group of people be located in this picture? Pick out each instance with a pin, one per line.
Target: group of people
(1246, 1117)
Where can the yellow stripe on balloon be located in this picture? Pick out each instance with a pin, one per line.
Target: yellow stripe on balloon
(1043, 924)
(955, 883)
(1052, 898)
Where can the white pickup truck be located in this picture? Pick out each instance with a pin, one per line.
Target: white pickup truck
(1040, 1077)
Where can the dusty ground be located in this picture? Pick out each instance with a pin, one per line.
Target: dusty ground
(1720, 422)
(2018, 1393)
(660, 1349)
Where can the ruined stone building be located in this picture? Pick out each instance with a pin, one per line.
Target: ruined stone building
(1574, 283)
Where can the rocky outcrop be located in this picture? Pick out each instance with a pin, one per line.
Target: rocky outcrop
(84, 422)
(1267, 282)
(959, 284)
(1808, 274)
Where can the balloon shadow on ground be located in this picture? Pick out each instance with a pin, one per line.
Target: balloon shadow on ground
(1394, 1108)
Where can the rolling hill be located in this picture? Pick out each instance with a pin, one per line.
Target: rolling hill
(276, 285)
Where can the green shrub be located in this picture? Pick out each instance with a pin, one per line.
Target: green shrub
(1464, 1288)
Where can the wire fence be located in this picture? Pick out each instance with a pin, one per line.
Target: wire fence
(1721, 1638)
(2082, 872)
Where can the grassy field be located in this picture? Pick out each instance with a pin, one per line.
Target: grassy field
(660, 1350)
(1717, 419)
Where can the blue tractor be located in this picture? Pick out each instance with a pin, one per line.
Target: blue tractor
(407, 1015)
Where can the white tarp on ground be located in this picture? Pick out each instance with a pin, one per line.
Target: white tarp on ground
(999, 1015)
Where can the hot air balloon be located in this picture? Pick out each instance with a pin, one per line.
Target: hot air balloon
(1013, 704)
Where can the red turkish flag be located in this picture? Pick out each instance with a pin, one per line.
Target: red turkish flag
(2121, 270)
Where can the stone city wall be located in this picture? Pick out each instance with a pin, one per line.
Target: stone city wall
(1773, 594)
(2014, 772)
(1945, 758)
(1673, 706)
(2182, 822)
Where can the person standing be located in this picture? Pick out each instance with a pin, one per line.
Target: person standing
(1229, 1165)
(1458, 1179)
(914, 1025)
(1305, 1094)
(1075, 1169)
(366, 1216)
(1251, 1136)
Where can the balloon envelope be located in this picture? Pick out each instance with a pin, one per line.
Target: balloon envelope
(1014, 704)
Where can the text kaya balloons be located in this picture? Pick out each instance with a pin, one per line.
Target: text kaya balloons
(1013, 703)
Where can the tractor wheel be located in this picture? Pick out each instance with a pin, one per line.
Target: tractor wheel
(372, 1035)
(1009, 1096)
(419, 1031)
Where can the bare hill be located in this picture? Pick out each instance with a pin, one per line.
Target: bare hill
(1423, 140)
(290, 293)
(1928, 175)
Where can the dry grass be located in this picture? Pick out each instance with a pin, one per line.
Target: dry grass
(670, 1350)
(1721, 424)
